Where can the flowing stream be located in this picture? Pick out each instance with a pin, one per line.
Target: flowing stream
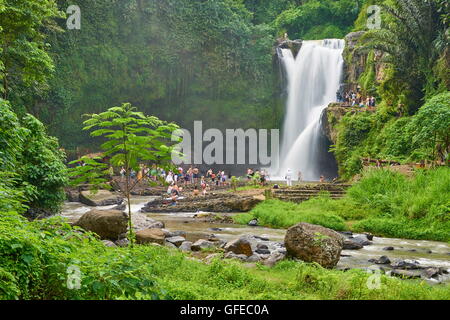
(313, 78)
(427, 253)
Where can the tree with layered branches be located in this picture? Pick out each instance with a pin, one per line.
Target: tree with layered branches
(132, 138)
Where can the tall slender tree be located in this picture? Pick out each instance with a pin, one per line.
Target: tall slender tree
(132, 138)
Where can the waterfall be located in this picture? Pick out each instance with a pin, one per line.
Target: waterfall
(313, 78)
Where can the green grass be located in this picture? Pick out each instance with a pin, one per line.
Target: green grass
(383, 202)
(34, 257)
(279, 214)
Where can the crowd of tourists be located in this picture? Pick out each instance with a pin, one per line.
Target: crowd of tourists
(356, 98)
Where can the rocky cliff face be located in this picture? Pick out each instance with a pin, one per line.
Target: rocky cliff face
(356, 61)
(294, 45)
(331, 116)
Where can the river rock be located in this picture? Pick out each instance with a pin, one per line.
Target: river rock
(313, 243)
(369, 236)
(431, 272)
(408, 274)
(100, 198)
(240, 246)
(388, 248)
(73, 195)
(381, 260)
(274, 258)
(351, 245)
(122, 242)
(121, 207)
(170, 245)
(109, 243)
(232, 255)
(254, 258)
(108, 224)
(263, 251)
(150, 236)
(178, 233)
(362, 240)
(177, 240)
(142, 221)
(202, 244)
(253, 223)
(406, 265)
(186, 246)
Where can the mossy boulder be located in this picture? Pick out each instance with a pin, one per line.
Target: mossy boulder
(108, 224)
(313, 243)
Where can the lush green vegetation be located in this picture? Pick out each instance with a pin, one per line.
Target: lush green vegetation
(36, 257)
(405, 66)
(319, 19)
(212, 60)
(280, 214)
(31, 164)
(383, 202)
(180, 61)
(423, 136)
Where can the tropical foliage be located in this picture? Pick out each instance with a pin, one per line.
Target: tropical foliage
(132, 139)
(31, 162)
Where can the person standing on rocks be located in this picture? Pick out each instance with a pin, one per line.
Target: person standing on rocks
(289, 177)
(195, 175)
(203, 185)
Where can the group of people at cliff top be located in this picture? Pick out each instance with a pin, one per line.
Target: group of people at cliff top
(355, 98)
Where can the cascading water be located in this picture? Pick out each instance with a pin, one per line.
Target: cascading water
(313, 78)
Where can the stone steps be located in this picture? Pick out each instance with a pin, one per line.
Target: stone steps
(302, 193)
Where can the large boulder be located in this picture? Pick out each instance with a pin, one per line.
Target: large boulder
(108, 224)
(150, 236)
(100, 198)
(313, 243)
(239, 246)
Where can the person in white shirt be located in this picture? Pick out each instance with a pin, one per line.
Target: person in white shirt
(169, 178)
(289, 177)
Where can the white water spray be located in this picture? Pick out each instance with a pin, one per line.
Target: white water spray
(313, 79)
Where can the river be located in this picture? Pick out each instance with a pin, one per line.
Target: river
(427, 253)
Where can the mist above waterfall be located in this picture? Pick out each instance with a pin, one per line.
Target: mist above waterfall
(313, 78)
